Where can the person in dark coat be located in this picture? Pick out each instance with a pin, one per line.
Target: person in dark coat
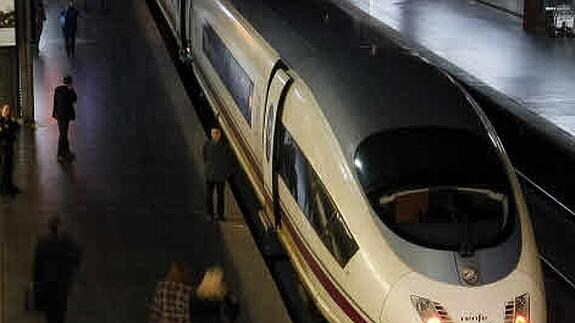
(70, 26)
(64, 100)
(56, 260)
(217, 159)
(8, 129)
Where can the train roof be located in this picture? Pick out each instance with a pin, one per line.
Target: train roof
(360, 94)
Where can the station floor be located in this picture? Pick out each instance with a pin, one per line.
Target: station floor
(488, 48)
(134, 197)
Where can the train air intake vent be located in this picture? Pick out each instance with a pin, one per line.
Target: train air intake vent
(443, 315)
(509, 311)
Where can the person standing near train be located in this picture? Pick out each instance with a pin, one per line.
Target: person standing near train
(8, 129)
(217, 159)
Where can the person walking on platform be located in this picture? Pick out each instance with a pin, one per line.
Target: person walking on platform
(64, 100)
(172, 298)
(217, 167)
(56, 260)
(8, 129)
(69, 18)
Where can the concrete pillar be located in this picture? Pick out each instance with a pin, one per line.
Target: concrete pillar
(8, 60)
(532, 15)
(25, 59)
(9, 76)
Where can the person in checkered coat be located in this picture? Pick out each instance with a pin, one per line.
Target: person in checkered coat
(172, 298)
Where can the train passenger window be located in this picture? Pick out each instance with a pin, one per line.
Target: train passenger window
(234, 77)
(441, 188)
(313, 199)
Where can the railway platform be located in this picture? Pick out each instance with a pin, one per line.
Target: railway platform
(134, 196)
(488, 49)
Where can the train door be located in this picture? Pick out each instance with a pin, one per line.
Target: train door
(189, 26)
(177, 5)
(182, 6)
(273, 111)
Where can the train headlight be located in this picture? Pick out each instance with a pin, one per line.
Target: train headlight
(522, 309)
(517, 310)
(429, 312)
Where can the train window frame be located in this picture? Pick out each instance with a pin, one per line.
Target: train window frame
(307, 189)
(474, 167)
(232, 74)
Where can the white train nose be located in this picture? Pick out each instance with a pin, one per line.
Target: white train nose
(417, 299)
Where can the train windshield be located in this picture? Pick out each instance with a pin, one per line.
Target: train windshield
(440, 188)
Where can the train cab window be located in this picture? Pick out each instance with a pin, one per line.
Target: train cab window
(232, 74)
(441, 188)
(313, 199)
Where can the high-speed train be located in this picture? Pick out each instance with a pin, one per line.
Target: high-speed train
(387, 184)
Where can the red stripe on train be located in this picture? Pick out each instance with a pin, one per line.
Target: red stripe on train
(326, 282)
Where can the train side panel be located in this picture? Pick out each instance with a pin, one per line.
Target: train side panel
(312, 260)
(352, 288)
(171, 10)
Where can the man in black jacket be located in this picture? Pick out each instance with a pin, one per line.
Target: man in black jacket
(217, 160)
(8, 129)
(64, 100)
(56, 260)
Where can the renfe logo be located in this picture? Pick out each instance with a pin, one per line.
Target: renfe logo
(474, 317)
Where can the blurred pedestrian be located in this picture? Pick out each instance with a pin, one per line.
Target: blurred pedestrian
(213, 300)
(64, 100)
(8, 129)
(56, 260)
(69, 22)
(172, 297)
(40, 19)
(217, 159)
